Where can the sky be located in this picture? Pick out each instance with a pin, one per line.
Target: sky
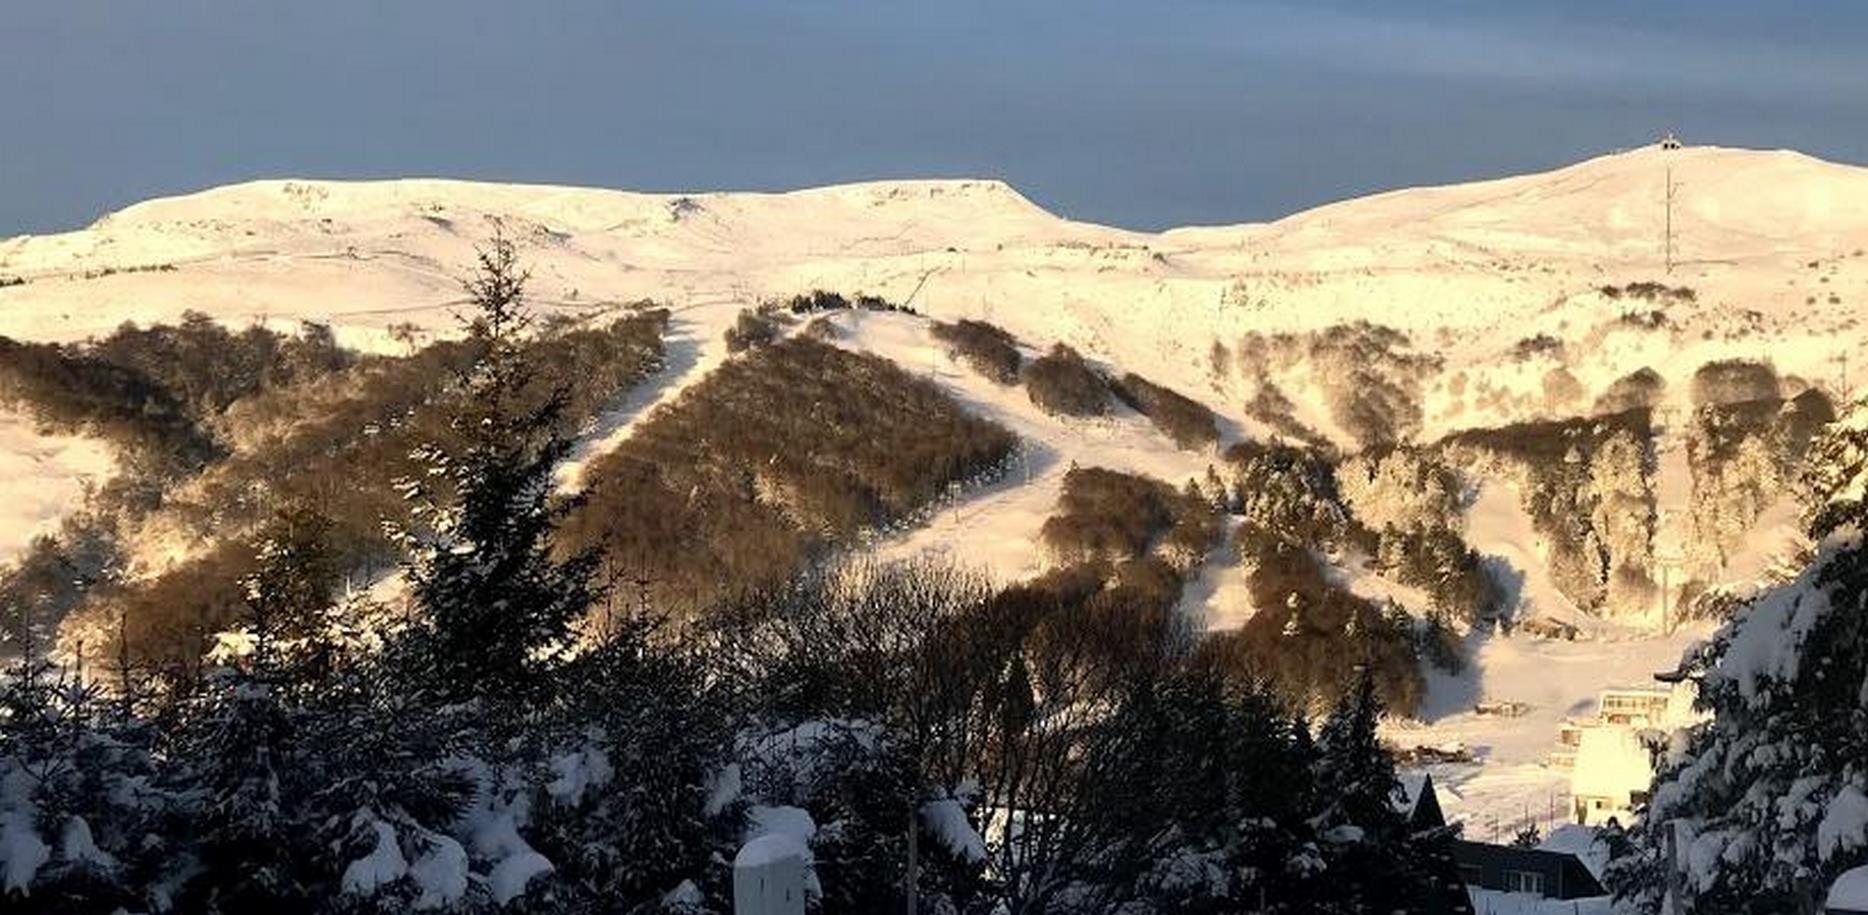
(1145, 114)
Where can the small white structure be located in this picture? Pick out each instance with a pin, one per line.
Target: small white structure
(768, 876)
(1609, 755)
(1614, 768)
(1849, 894)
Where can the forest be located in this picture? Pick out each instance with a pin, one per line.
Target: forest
(523, 734)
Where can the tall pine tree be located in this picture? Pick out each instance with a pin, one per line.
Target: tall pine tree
(496, 611)
(1377, 861)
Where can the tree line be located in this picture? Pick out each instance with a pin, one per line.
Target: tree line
(515, 739)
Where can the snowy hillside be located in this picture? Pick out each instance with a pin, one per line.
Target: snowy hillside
(1528, 298)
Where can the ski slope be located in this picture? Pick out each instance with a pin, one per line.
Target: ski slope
(1770, 242)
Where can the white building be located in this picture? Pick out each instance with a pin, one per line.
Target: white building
(1610, 756)
(1614, 767)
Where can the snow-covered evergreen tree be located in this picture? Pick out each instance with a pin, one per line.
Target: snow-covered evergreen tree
(496, 610)
(1376, 860)
(1765, 803)
(1354, 774)
(85, 822)
(632, 813)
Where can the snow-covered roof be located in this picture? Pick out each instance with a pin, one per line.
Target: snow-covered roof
(771, 849)
(1850, 891)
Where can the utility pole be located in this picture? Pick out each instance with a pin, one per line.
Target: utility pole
(912, 879)
(1672, 853)
(1671, 188)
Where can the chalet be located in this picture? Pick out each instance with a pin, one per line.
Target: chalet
(1505, 868)
(1509, 869)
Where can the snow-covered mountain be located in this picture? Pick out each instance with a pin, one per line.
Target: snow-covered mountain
(1559, 296)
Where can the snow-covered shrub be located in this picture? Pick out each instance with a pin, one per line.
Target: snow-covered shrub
(1734, 381)
(1642, 388)
(1061, 383)
(1185, 421)
(750, 330)
(984, 347)
(1372, 379)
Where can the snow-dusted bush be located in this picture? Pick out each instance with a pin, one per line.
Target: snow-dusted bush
(1370, 375)
(750, 330)
(1734, 381)
(158, 392)
(1639, 389)
(1062, 383)
(1142, 535)
(984, 347)
(1185, 421)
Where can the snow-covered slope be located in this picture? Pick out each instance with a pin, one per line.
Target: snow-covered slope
(1770, 243)
(1497, 288)
(1764, 238)
(42, 477)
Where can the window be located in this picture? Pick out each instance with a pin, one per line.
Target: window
(1524, 882)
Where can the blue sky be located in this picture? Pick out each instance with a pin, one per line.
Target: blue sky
(1144, 114)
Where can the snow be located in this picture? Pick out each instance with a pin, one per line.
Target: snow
(382, 866)
(770, 849)
(1845, 823)
(1343, 835)
(21, 851)
(1497, 902)
(1511, 784)
(441, 873)
(1776, 538)
(77, 846)
(1501, 531)
(492, 827)
(1850, 891)
(795, 822)
(577, 772)
(42, 478)
(779, 833)
(1582, 841)
(684, 895)
(1765, 642)
(722, 789)
(946, 820)
(1611, 762)
(509, 878)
